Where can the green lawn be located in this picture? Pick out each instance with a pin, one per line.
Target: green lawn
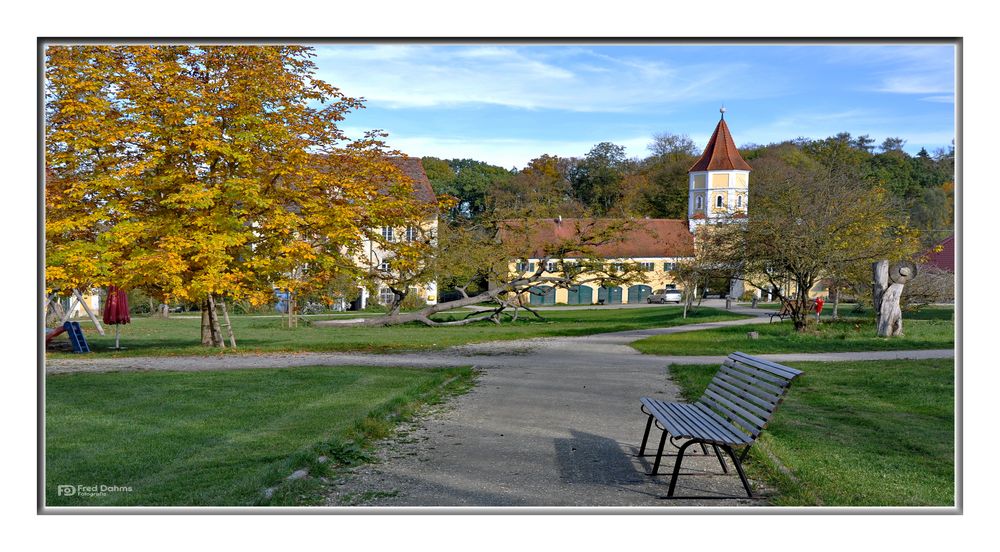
(928, 329)
(176, 336)
(221, 438)
(856, 433)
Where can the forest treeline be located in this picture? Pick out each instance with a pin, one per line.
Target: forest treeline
(608, 183)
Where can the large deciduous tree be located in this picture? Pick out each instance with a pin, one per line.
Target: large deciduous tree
(201, 172)
(805, 223)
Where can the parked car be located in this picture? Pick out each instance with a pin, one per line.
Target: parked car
(665, 296)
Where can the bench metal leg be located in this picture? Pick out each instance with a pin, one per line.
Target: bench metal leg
(739, 470)
(645, 436)
(659, 454)
(722, 462)
(677, 467)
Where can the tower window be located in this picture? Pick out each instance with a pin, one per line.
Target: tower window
(718, 201)
(697, 202)
(739, 201)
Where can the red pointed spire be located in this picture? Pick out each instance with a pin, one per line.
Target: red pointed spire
(720, 153)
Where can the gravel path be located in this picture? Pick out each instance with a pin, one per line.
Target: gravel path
(552, 422)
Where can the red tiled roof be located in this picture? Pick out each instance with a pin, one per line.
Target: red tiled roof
(413, 167)
(647, 237)
(944, 259)
(720, 153)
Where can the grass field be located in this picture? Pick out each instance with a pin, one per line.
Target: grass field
(856, 433)
(176, 336)
(932, 328)
(222, 438)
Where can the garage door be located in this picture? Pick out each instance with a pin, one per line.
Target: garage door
(542, 295)
(638, 294)
(610, 295)
(580, 295)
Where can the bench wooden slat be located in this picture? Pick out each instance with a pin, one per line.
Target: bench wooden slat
(709, 425)
(773, 367)
(759, 374)
(731, 412)
(684, 420)
(656, 410)
(739, 400)
(744, 396)
(737, 434)
(758, 387)
(698, 424)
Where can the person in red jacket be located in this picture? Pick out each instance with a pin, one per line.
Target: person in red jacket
(819, 307)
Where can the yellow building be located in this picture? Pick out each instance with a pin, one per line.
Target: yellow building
(374, 255)
(654, 245)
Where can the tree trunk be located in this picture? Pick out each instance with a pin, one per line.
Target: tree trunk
(211, 333)
(57, 314)
(423, 315)
(890, 321)
(206, 325)
(889, 316)
(836, 302)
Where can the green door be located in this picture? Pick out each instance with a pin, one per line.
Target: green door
(542, 295)
(609, 295)
(580, 295)
(638, 294)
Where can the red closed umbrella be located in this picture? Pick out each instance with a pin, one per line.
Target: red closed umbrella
(116, 310)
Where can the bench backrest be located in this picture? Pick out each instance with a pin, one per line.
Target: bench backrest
(747, 391)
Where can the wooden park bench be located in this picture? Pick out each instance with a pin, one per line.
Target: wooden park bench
(782, 314)
(733, 411)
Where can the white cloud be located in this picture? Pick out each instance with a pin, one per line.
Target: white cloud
(902, 69)
(940, 99)
(530, 78)
(505, 152)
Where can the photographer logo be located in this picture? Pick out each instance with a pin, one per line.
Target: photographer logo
(91, 490)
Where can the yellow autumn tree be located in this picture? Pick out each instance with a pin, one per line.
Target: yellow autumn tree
(200, 172)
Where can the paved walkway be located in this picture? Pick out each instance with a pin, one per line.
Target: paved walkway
(552, 422)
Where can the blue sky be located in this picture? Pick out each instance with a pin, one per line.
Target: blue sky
(506, 104)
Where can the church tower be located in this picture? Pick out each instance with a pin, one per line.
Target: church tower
(718, 182)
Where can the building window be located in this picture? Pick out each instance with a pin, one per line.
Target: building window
(647, 267)
(551, 267)
(718, 201)
(411, 233)
(525, 267)
(387, 233)
(667, 267)
(386, 296)
(739, 201)
(384, 266)
(697, 202)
